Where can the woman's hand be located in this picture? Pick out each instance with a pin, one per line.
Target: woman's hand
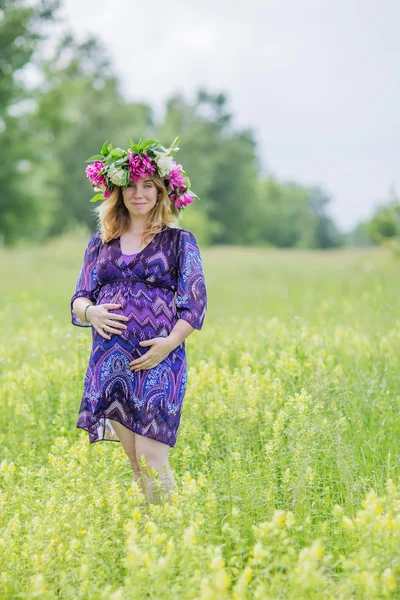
(103, 321)
(160, 348)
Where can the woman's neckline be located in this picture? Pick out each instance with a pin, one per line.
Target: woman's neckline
(143, 249)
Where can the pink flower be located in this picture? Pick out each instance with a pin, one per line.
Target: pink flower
(148, 164)
(140, 166)
(176, 178)
(107, 193)
(177, 204)
(92, 172)
(182, 200)
(186, 199)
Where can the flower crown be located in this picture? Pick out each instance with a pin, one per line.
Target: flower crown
(114, 166)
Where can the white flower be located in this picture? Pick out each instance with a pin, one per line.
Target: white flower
(116, 175)
(165, 163)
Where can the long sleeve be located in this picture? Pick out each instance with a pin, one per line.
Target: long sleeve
(191, 296)
(87, 284)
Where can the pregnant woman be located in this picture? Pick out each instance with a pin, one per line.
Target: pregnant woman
(141, 289)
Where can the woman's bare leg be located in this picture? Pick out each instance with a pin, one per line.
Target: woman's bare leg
(127, 439)
(155, 455)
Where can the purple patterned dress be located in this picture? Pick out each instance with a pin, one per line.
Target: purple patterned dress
(157, 286)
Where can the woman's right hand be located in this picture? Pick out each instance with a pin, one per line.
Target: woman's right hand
(99, 317)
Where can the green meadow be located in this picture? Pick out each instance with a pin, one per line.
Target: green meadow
(287, 459)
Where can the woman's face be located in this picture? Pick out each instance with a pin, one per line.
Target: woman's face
(140, 197)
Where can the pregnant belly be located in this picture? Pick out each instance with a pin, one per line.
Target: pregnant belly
(150, 312)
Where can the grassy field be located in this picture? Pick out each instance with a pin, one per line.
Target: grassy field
(287, 458)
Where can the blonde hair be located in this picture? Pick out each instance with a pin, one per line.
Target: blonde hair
(113, 216)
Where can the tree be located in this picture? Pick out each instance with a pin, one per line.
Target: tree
(326, 233)
(21, 31)
(384, 227)
(80, 109)
(222, 163)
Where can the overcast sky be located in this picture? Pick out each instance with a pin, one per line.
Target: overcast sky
(316, 80)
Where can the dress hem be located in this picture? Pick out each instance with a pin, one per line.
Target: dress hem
(104, 439)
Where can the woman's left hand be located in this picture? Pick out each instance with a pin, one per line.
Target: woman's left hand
(160, 348)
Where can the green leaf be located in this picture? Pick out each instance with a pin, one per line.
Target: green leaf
(125, 180)
(97, 197)
(117, 152)
(95, 157)
(136, 148)
(176, 141)
(148, 143)
(104, 149)
(121, 161)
